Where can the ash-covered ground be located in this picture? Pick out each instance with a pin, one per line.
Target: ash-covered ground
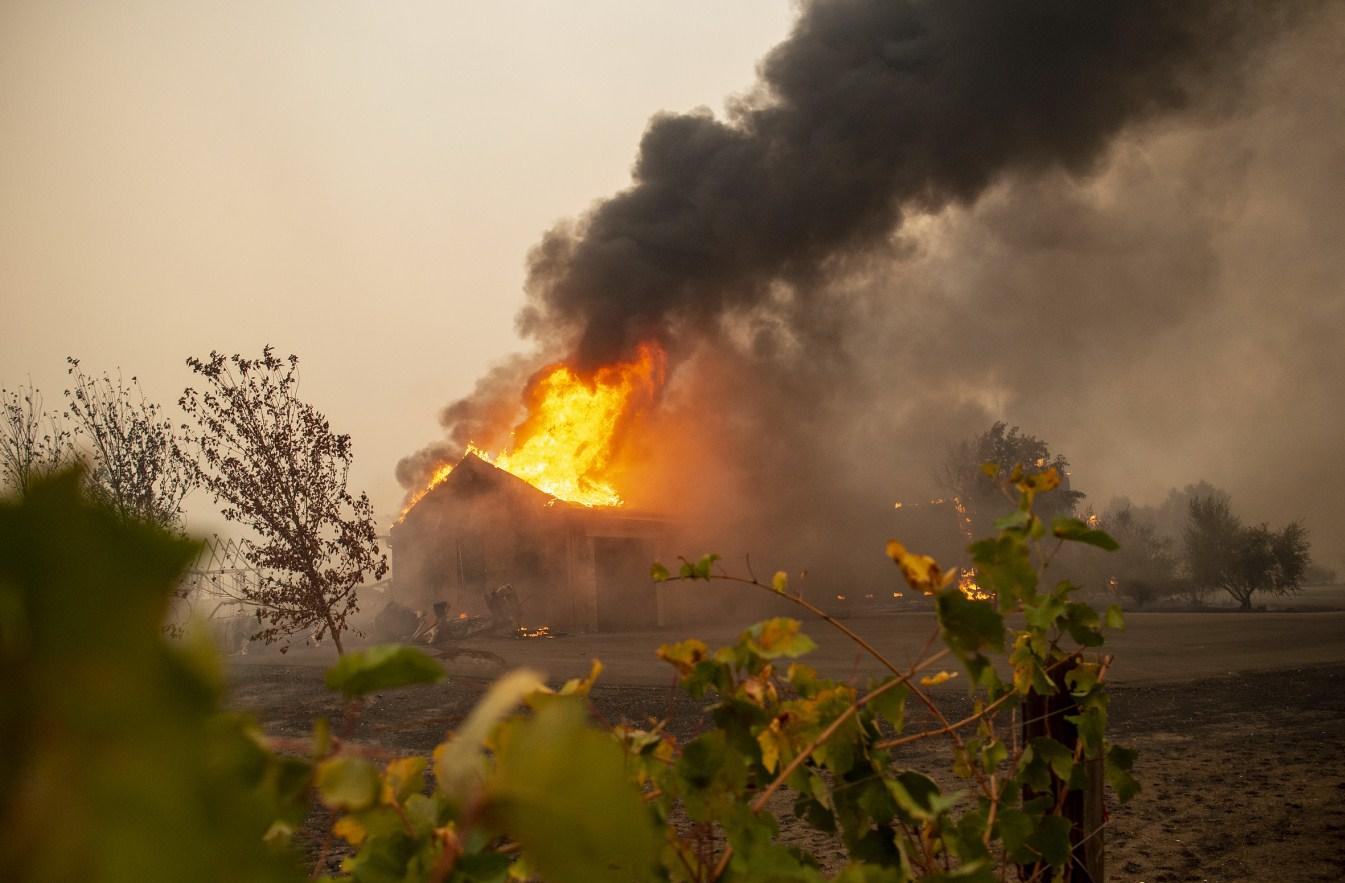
(1239, 720)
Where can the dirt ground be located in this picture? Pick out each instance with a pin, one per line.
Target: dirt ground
(1239, 720)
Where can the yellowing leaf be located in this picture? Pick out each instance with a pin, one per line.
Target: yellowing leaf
(350, 830)
(402, 778)
(322, 737)
(780, 636)
(935, 679)
(760, 690)
(684, 654)
(771, 741)
(582, 686)
(347, 783)
(922, 572)
(1040, 482)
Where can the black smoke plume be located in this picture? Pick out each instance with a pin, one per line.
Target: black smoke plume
(1103, 221)
(869, 110)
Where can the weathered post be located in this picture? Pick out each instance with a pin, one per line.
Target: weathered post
(1046, 716)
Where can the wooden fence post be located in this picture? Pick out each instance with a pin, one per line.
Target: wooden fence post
(1045, 716)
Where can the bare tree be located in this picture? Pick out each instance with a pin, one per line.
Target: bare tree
(136, 464)
(274, 464)
(33, 442)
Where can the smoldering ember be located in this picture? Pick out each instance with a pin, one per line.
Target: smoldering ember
(853, 440)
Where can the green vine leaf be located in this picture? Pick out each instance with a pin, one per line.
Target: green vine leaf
(1075, 531)
(385, 667)
(1118, 765)
(969, 626)
(573, 828)
(347, 783)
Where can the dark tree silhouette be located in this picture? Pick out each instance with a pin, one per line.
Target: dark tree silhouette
(1169, 519)
(136, 464)
(33, 442)
(273, 463)
(984, 495)
(1224, 554)
(1145, 567)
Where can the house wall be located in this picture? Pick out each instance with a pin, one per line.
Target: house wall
(610, 576)
(457, 550)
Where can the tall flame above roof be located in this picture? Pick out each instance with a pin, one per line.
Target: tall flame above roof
(569, 442)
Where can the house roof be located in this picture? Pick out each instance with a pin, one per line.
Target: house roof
(473, 476)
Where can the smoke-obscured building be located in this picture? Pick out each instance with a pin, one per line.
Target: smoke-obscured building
(574, 568)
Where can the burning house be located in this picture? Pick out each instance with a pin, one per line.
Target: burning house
(573, 567)
(544, 515)
(769, 250)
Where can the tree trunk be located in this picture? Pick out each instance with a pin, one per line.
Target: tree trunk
(321, 603)
(336, 635)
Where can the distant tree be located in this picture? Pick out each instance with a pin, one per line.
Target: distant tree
(985, 496)
(1319, 575)
(1292, 554)
(33, 442)
(275, 465)
(1170, 516)
(1169, 520)
(1144, 569)
(136, 463)
(1224, 554)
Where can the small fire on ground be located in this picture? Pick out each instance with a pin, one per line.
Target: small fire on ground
(966, 576)
(568, 443)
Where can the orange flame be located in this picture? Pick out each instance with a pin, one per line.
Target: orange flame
(967, 585)
(568, 441)
(435, 480)
(567, 444)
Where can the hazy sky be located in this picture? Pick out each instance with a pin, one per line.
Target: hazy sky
(358, 183)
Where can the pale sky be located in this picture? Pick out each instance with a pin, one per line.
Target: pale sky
(360, 184)
(357, 183)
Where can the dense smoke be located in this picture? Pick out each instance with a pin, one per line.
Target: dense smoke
(928, 216)
(871, 109)
(482, 418)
